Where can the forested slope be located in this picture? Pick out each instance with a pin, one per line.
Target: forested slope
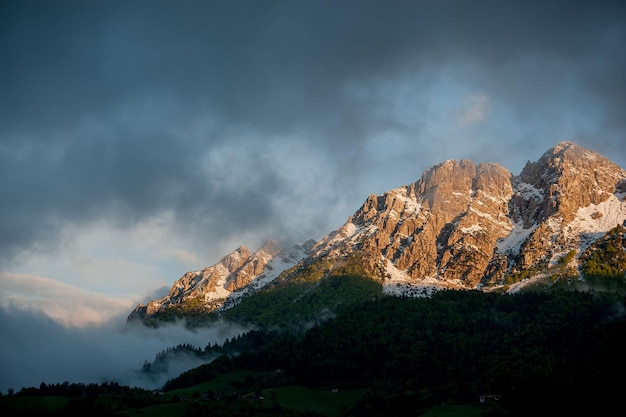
(557, 352)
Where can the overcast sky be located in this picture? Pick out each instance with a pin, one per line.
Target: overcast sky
(143, 139)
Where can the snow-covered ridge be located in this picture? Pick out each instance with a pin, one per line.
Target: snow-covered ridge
(225, 283)
(512, 244)
(275, 266)
(348, 232)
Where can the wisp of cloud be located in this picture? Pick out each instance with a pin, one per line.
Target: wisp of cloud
(34, 349)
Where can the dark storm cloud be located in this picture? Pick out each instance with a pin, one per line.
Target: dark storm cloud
(127, 109)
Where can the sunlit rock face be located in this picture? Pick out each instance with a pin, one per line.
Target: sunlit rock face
(443, 226)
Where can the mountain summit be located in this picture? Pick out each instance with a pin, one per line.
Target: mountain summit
(461, 226)
(223, 284)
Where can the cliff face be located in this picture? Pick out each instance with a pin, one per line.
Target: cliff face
(443, 227)
(461, 225)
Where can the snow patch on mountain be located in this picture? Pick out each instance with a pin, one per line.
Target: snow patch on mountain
(595, 220)
(348, 232)
(399, 283)
(528, 191)
(220, 291)
(411, 205)
(274, 267)
(512, 244)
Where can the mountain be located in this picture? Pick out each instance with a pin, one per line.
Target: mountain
(223, 284)
(461, 225)
(469, 226)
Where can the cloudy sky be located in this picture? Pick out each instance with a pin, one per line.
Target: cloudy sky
(143, 139)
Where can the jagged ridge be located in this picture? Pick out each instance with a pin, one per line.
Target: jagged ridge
(223, 284)
(469, 226)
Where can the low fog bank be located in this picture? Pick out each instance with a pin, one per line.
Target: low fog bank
(34, 348)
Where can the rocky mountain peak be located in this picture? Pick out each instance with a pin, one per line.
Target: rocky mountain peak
(444, 226)
(271, 247)
(569, 176)
(236, 258)
(223, 284)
